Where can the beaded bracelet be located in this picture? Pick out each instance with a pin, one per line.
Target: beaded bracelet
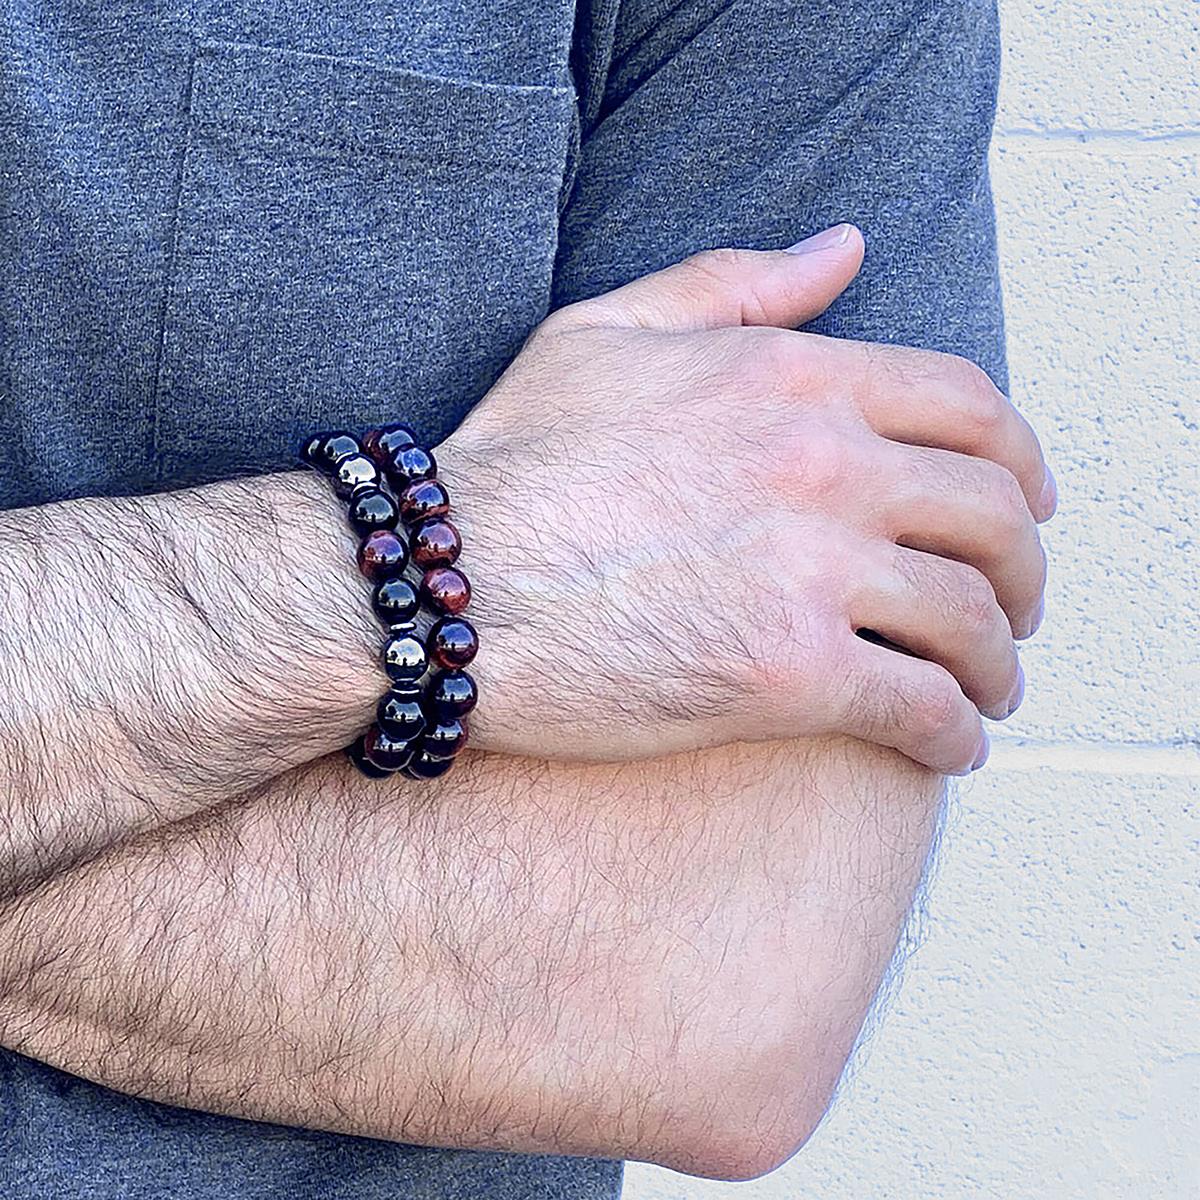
(388, 480)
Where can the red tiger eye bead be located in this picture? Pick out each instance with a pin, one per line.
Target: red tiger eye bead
(382, 553)
(435, 543)
(424, 498)
(445, 590)
(453, 642)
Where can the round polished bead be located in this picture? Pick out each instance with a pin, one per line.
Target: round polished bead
(445, 739)
(327, 450)
(452, 694)
(446, 590)
(384, 751)
(354, 472)
(435, 543)
(410, 464)
(310, 452)
(382, 443)
(372, 509)
(404, 658)
(453, 642)
(424, 766)
(425, 498)
(395, 601)
(383, 553)
(400, 713)
(356, 753)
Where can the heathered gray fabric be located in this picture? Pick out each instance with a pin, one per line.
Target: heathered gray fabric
(226, 222)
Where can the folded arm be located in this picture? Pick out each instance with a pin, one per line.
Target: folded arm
(666, 960)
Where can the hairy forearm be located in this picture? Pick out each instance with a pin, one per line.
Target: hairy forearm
(666, 960)
(161, 653)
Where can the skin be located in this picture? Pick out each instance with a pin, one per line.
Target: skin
(700, 934)
(665, 960)
(723, 577)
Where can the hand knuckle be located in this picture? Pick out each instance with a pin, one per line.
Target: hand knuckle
(1006, 502)
(932, 704)
(824, 462)
(984, 406)
(976, 599)
(773, 356)
(561, 320)
(717, 262)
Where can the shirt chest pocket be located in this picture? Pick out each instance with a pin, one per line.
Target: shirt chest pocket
(351, 244)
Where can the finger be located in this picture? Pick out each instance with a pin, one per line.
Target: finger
(720, 288)
(930, 399)
(912, 705)
(968, 509)
(944, 612)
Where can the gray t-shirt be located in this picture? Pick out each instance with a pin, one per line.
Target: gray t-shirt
(227, 222)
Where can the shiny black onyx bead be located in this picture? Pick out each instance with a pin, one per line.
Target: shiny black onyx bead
(423, 499)
(400, 713)
(356, 753)
(382, 443)
(354, 472)
(445, 739)
(382, 554)
(395, 601)
(372, 509)
(453, 642)
(327, 450)
(384, 751)
(452, 694)
(404, 658)
(435, 543)
(410, 464)
(423, 766)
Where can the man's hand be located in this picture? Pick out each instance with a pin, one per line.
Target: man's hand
(677, 525)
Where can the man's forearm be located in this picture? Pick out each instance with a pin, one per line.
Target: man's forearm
(161, 653)
(664, 960)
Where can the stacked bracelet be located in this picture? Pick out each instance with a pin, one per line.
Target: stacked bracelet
(392, 489)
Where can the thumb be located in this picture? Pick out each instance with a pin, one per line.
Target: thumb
(719, 288)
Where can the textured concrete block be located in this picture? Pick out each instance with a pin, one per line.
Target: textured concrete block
(1045, 1042)
(1130, 65)
(1102, 288)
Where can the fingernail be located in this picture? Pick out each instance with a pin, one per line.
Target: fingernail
(1039, 614)
(982, 756)
(1019, 694)
(1048, 500)
(826, 240)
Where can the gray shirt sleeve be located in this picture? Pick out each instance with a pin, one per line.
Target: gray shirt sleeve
(757, 122)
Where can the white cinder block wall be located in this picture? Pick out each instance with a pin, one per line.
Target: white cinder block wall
(1045, 1038)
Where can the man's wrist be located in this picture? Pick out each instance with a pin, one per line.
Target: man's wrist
(164, 653)
(280, 611)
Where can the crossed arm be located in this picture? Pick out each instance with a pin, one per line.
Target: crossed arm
(666, 960)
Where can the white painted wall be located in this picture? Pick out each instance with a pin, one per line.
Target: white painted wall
(1045, 1039)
